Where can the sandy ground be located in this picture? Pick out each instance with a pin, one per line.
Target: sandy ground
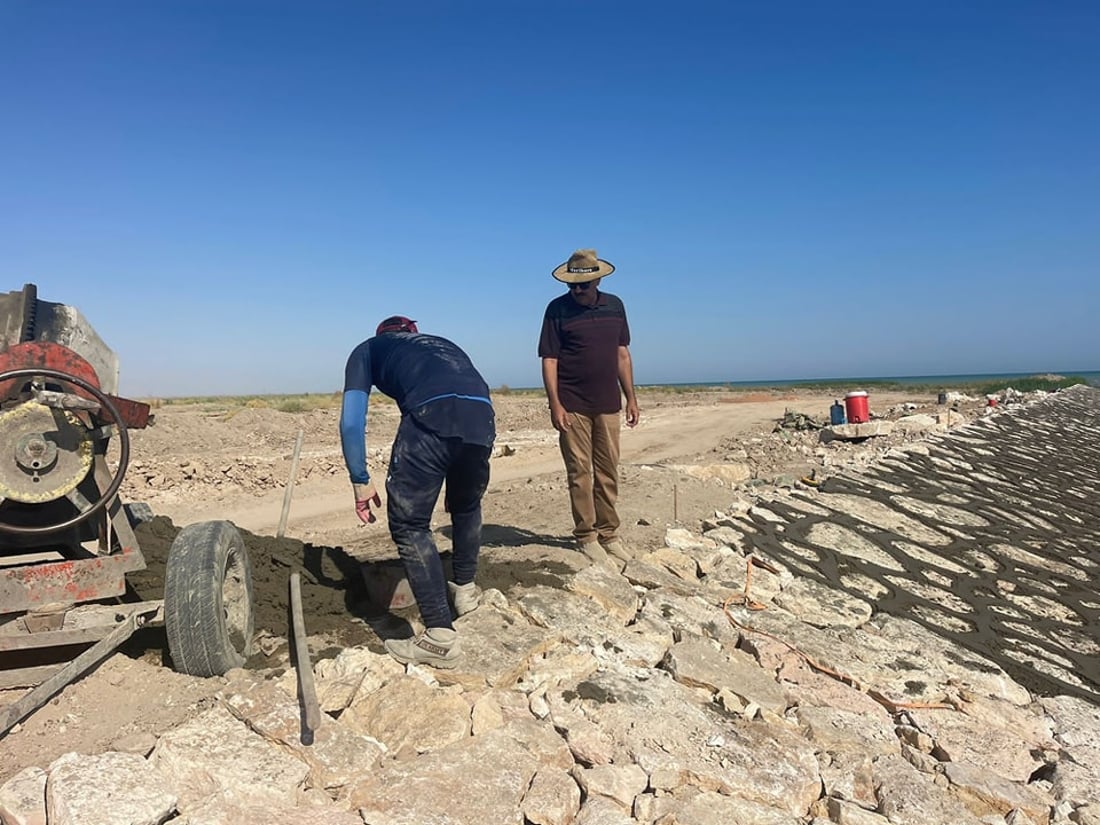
(204, 463)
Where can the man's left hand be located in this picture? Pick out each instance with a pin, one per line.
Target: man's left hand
(633, 414)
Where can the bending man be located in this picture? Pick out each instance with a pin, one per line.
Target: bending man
(446, 435)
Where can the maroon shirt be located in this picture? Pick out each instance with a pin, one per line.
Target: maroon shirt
(586, 342)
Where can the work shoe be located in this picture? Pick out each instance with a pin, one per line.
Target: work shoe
(616, 548)
(436, 646)
(594, 550)
(464, 597)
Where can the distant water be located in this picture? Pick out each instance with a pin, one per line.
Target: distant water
(1091, 376)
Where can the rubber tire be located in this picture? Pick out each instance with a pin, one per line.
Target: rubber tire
(208, 599)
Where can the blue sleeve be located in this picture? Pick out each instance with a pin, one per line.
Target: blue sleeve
(353, 434)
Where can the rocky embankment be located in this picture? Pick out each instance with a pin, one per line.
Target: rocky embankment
(911, 643)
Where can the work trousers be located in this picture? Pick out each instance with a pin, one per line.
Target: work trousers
(420, 462)
(590, 448)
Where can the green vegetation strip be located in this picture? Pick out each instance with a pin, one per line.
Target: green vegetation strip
(232, 404)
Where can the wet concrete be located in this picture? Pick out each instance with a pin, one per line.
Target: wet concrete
(332, 587)
(342, 595)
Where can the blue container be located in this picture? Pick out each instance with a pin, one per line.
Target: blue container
(836, 413)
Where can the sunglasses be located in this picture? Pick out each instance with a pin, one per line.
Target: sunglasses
(582, 287)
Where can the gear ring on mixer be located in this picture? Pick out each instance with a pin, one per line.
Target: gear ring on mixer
(51, 453)
(107, 412)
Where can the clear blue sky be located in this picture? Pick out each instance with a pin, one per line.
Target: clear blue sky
(234, 193)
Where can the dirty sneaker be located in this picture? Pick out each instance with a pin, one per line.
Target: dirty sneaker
(436, 646)
(595, 552)
(616, 548)
(464, 597)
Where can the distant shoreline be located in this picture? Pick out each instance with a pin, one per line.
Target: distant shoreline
(932, 381)
(978, 383)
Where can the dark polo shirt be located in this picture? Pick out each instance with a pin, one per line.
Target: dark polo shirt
(586, 342)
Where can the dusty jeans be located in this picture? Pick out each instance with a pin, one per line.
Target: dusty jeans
(590, 448)
(419, 464)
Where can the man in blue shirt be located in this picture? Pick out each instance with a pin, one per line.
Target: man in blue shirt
(446, 434)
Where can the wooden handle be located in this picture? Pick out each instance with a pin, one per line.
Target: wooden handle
(307, 690)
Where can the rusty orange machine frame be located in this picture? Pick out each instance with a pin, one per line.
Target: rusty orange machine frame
(67, 541)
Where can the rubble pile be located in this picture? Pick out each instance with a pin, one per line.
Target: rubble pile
(799, 446)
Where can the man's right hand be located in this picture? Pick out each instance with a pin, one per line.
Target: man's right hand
(365, 496)
(559, 417)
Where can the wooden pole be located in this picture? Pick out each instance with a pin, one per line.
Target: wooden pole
(675, 503)
(290, 485)
(307, 690)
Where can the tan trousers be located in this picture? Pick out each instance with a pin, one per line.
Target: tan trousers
(590, 448)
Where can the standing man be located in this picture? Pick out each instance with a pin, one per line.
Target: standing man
(446, 434)
(585, 352)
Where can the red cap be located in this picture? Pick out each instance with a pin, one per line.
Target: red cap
(397, 323)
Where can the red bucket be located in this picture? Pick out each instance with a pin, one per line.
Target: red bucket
(855, 406)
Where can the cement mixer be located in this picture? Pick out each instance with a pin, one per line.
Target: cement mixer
(67, 541)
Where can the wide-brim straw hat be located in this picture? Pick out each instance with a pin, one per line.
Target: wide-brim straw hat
(583, 266)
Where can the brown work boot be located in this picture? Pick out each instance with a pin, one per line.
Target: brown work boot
(616, 548)
(464, 597)
(436, 646)
(595, 552)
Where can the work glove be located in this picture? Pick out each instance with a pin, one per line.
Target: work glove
(366, 496)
